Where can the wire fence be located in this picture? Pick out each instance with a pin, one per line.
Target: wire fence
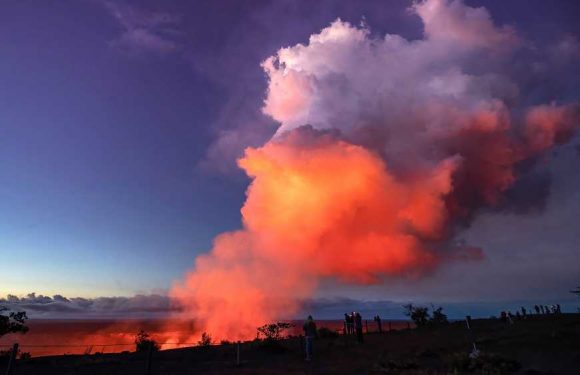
(130, 361)
(96, 345)
(225, 352)
(44, 350)
(149, 361)
(19, 356)
(335, 326)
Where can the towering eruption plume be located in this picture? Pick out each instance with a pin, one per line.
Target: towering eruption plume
(385, 147)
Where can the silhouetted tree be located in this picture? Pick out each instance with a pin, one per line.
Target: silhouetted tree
(421, 317)
(25, 356)
(439, 318)
(12, 322)
(143, 342)
(273, 331)
(418, 314)
(205, 339)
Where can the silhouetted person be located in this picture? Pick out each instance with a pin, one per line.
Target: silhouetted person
(310, 333)
(379, 323)
(542, 309)
(503, 316)
(518, 315)
(524, 312)
(558, 309)
(546, 309)
(348, 318)
(358, 327)
(537, 308)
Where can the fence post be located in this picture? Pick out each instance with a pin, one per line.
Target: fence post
(12, 360)
(149, 356)
(468, 321)
(238, 355)
(470, 332)
(367, 325)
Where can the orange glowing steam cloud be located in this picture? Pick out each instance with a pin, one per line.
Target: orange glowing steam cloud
(326, 209)
(402, 147)
(320, 206)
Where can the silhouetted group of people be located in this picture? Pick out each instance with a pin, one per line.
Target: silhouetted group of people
(548, 309)
(522, 313)
(353, 325)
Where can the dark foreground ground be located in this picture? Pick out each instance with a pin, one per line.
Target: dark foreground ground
(540, 345)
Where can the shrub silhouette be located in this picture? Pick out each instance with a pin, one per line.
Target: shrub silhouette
(205, 339)
(421, 317)
(272, 334)
(12, 322)
(143, 342)
(25, 356)
(274, 331)
(439, 318)
(418, 314)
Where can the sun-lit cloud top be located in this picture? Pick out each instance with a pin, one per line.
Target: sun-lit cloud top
(387, 148)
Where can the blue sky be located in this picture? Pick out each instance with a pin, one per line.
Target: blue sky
(117, 147)
(107, 178)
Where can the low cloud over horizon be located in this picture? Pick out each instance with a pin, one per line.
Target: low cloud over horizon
(151, 306)
(41, 306)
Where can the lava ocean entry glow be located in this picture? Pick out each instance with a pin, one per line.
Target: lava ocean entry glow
(386, 148)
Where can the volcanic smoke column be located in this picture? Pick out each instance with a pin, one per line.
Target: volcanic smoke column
(385, 147)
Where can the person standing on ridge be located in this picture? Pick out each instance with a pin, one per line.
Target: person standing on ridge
(358, 327)
(351, 323)
(379, 323)
(347, 324)
(310, 333)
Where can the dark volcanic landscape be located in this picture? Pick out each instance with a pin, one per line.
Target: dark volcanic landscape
(540, 345)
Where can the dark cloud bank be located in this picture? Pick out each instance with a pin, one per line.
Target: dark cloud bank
(159, 306)
(57, 306)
